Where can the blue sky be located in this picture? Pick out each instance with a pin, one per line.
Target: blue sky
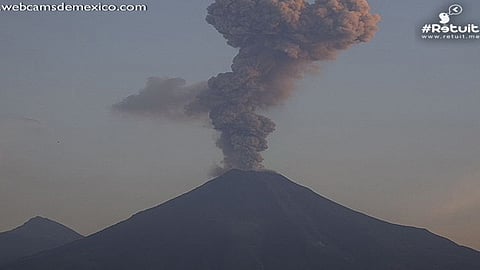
(391, 128)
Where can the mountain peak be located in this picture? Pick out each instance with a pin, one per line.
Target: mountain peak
(43, 227)
(35, 235)
(253, 173)
(247, 179)
(38, 220)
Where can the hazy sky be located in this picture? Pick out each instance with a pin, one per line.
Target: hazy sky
(390, 129)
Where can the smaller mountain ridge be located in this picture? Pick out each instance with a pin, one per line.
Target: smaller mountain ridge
(35, 235)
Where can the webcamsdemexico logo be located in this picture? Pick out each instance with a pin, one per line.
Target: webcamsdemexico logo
(448, 29)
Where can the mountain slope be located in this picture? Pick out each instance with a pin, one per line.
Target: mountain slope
(35, 235)
(255, 220)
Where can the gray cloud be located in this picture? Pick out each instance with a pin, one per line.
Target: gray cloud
(162, 97)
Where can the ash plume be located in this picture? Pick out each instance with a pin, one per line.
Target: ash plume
(278, 41)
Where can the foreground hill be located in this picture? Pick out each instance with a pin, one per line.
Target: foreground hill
(37, 234)
(246, 220)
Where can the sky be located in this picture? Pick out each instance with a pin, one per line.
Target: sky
(390, 128)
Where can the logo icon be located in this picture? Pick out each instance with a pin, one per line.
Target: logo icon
(453, 10)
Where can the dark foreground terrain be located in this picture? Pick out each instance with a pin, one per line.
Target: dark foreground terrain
(37, 234)
(255, 221)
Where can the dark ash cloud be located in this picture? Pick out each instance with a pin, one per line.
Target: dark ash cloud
(278, 41)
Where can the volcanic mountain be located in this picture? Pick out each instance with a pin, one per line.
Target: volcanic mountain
(37, 234)
(245, 220)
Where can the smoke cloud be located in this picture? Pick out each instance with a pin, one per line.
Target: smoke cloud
(278, 41)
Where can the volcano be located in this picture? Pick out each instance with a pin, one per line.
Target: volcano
(35, 235)
(247, 220)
